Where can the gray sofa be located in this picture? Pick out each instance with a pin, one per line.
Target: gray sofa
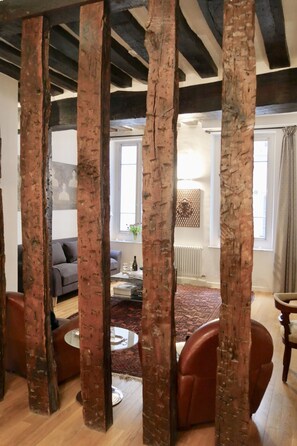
(64, 269)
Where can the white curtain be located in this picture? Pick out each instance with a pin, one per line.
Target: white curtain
(285, 257)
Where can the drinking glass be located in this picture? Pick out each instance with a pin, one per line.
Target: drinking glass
(126, 268)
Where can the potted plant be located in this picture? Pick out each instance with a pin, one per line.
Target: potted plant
(135, 229)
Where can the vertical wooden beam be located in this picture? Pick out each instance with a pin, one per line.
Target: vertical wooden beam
(93, 214)
(238, 106)
(35, 110)
(2, 295)
(159, 200)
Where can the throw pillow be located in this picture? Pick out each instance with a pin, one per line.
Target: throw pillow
(70, 249)
(58, 255)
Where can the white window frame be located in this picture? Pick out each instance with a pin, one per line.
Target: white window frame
(259, 244)
(115, 185)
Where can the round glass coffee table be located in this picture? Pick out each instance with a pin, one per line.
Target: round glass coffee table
(120, 338)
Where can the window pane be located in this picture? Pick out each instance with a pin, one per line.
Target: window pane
(128, 189)
(260, 188)
(263, 190)
(129, 154)
(128, 186)
(126, 220)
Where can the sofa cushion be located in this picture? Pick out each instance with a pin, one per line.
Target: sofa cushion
(70, 249)
(68, 272)
(58, 255)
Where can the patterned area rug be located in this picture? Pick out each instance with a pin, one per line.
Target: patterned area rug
(193, 307)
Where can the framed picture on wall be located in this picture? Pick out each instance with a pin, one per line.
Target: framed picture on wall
(188, 208)
(64, 185)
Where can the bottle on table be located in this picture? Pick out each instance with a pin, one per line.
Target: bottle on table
(134, 264)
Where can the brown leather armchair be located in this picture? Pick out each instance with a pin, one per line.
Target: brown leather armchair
(197, 373)
(66, 357)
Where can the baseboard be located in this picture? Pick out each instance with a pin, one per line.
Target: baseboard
(261, 289)
(201, 281)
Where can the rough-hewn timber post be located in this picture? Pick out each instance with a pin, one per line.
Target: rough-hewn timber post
(159, 201)
(35, 110)
(93, 214)
(238, 104)
(2, 296)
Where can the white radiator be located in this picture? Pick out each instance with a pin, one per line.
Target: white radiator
(188, 261)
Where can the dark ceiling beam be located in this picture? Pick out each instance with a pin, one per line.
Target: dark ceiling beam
(10, 69)
(193, 49)
(127, 27)
(69, 46)
(62, 81)
(271, 20)
(74, 26)
(65, 66)
(15, 40)
(10, 54)
(61, 63)
(54, 17)
(124, 5)
(272, 24)
(64, 55)
(213, 14)
(64, 42)
(14, 72)
(13, 56)
(57, 60)
(18, 9)
(121, 58)
(9, 29)
(63, 15)
(119, 78)
(276, 93)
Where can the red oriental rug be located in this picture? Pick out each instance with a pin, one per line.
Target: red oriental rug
(193, 307)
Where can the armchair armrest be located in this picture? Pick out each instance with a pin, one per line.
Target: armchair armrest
(56, 282)
(67, 358)
(115, 254)
(282, 302)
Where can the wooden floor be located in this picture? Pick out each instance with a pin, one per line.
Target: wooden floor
(274, 424)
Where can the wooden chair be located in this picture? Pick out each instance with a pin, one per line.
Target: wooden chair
(283, 301)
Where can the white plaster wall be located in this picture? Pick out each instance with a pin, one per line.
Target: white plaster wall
(129, 250)
(194, 141)
(194, 145)
(9, 129)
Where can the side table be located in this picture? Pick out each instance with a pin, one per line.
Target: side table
(120, 339)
